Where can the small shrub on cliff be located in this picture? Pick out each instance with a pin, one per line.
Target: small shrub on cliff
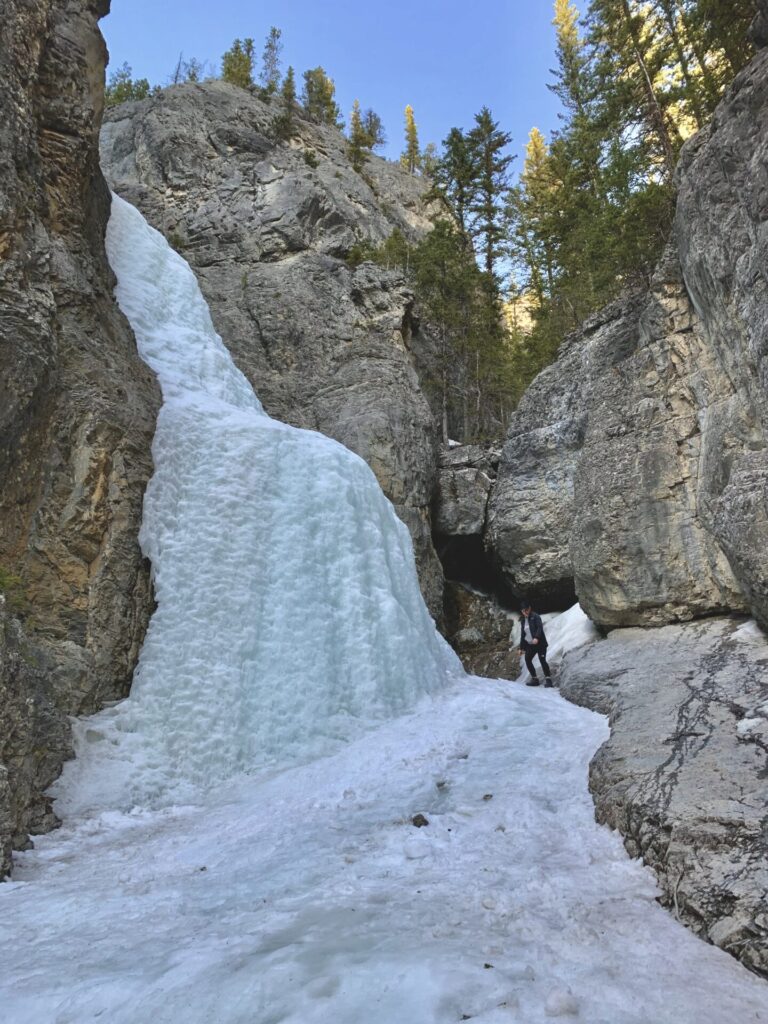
(12, 589)
(310, 158)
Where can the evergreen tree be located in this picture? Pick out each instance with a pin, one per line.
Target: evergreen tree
(319, 98)
(456, 179)
(284, 122)
(122, 87)
(358, 145)
(488, 143)
(410, 158)
(237, 64)
(192, 70)
(374, 129)
(269, 76)
(429, 159)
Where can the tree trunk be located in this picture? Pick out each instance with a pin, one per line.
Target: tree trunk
(657, 113)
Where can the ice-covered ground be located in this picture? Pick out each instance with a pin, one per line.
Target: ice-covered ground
(238, 845)
(308, 897)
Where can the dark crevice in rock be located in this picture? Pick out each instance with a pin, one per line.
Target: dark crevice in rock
(464, 560)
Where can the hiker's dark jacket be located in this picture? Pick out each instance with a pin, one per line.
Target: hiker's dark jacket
(535, 628)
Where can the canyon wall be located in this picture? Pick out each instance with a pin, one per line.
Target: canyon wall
(77, 409)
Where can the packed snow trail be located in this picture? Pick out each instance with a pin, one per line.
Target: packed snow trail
(289, 612)
(300, 893)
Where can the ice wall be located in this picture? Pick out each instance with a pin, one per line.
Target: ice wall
(289, 612)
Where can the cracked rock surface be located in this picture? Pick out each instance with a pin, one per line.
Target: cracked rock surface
(266, 226)
(684, 775)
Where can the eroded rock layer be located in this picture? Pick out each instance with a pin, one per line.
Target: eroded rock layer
(77, 406)
(267, 226)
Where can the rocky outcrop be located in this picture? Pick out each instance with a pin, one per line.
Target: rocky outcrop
(268, 227)
(720, 227)
(636, 469)
(478, 629)
(531, 507)
(466, 473)
(682, 776)
(77, 406)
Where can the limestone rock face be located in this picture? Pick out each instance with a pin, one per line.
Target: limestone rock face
(34, 737)
(530, 509)
(636, 468)
(266, 225)
(758, 30)
(639, 545)
(682, 776)
(77, 406)
(466, 473)
(720, 227)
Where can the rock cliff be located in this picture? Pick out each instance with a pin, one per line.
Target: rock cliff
(268, 227)
(77, 406)
(682, 776)
(636, 469)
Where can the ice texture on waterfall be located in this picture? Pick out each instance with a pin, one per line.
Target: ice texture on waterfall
(288, 607)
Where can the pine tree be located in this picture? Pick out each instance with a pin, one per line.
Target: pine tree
(533, 212)
(319, 98)
(429, 159)
(237, 64)
(374, 129)
(269, 77)
(456, 179)
(488, 143)
(122, 87)
(283, 123)
(358, 147)
(410, 158)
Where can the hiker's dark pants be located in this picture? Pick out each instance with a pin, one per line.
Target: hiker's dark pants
(530, 651)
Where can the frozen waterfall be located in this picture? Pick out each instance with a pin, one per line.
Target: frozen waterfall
(288, 608)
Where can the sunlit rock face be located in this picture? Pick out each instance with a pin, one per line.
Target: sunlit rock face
(77, 406)
(637, 465)
(268, 226)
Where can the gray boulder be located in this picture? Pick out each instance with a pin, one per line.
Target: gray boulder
(465, 475)
(267, 226)
(682, 776)
(639, 543)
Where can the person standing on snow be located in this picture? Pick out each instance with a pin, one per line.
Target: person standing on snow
(533, 642)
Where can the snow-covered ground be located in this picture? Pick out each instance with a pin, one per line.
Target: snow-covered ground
(238, 845)
(308, 897)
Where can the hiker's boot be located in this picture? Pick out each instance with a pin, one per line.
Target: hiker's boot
(533, 681)
(548, 681)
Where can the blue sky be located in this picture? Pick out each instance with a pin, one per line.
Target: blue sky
(446, 59)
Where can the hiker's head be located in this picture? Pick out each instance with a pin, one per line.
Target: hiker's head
(525, 607)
